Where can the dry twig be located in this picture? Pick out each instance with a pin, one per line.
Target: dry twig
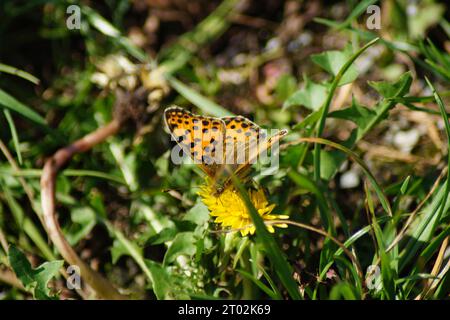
(96, 282)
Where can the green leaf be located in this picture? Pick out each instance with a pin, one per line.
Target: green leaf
(310, 120)
(179, 53)
(198, 214)
(183, 244)
(405, 185)
(390, 90)
(312, 96)
(356, 113)
(367, 118)
(438, 61)
(117, 250)
(120, 248)
(285, 87)
(123, 246)
(84, 220)
(342, 290)
(25, 223)
(13, 104)
(333, 61)
(305, 182)
(330, 162)
(67, 173)
(166, 234)
(163, 284)
(34, 280)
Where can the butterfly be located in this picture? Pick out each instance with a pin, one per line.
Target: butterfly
(220, 146)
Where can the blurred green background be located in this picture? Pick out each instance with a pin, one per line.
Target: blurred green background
(135, 218)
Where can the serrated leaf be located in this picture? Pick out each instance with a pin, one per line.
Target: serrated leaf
(366, 118)
(388, 89)
(333, 61)
(356, 113)
(34, 280)
(312, 96)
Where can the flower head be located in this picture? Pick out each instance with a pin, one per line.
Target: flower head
(230, 210)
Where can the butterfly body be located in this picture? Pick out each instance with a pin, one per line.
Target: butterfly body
(219, 146)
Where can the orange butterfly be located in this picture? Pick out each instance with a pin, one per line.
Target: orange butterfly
(219, 145)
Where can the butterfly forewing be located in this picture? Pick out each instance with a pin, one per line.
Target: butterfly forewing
(200, 137)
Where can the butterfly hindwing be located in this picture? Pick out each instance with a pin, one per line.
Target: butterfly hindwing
(249, 141)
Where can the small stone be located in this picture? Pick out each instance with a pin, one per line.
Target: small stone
(406, 140)
(349, 180)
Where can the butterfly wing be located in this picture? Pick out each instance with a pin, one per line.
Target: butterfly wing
(199, 137)
(244, 142)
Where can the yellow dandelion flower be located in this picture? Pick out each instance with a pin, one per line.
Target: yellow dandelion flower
(230, 211)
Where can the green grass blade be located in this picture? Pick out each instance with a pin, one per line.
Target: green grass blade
(259, 283)
(178, 54)
(26, 224)
(105, 27)
(431, 219)
(13, 104)
(276, 256)
(306, 183)
(14, 135)
(387, 272)
(382, 197)
(198, 100)
(359, 9)
(326, 106)
(17, 72)
(37, 173)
